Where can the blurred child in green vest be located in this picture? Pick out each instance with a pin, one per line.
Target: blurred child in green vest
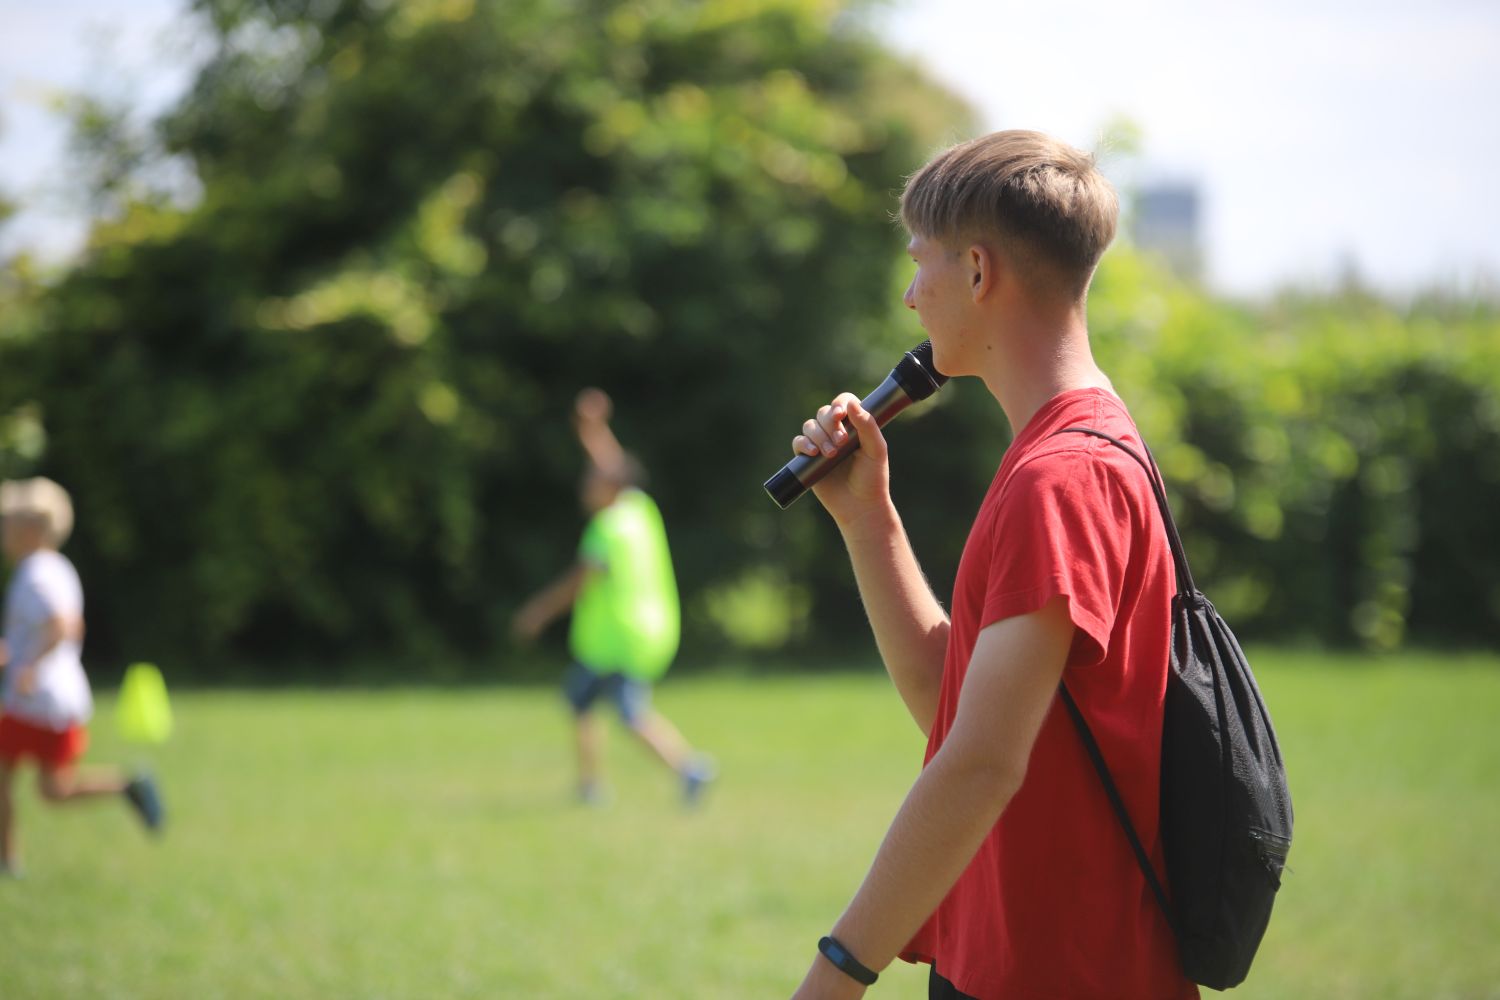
(626, 617)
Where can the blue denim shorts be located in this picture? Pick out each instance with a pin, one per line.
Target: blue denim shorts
(582, 687)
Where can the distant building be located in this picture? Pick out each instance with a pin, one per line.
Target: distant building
(1166, 220)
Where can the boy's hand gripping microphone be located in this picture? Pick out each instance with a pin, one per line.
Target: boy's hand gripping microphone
(912, 380)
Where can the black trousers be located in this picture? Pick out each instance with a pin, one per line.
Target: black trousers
(939, 988)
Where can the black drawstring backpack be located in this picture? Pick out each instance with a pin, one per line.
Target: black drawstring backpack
(1226, 812)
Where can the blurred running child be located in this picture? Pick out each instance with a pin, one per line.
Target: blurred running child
(626, 617)
(46, 693)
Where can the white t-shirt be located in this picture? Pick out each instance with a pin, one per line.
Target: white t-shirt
(45, 586)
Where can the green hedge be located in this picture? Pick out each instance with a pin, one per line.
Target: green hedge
(1335, 458)
(323, 413)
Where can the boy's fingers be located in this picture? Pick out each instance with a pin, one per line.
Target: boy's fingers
(824, 429)
(871, 441)
(825, 432)
(832, 417)
(814, 435)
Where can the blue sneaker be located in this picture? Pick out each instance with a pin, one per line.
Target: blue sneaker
(143, 797)
(695, 778)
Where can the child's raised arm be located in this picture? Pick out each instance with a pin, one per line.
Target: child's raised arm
(591, 412)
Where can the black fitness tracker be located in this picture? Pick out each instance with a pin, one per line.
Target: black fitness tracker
(846, 962)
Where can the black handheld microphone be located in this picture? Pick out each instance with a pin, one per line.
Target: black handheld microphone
(912, 380)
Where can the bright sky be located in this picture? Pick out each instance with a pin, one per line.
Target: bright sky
(1322, 133)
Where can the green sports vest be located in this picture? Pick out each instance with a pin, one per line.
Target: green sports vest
(626, 617)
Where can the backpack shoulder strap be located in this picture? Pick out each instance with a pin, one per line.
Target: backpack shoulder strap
(1185, 587)
(1141, 857)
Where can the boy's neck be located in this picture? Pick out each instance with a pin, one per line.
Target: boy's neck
(1036, 357)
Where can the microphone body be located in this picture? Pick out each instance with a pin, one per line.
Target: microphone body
(911, 381)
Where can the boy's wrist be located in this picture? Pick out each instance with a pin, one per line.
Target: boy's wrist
(824, 982)
(876, 524)
(845, 961)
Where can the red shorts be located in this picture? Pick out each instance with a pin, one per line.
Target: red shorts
(52, 749)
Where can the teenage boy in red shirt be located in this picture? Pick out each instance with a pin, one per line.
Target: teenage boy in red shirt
(1006, 868)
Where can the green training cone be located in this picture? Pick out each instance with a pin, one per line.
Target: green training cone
(143, 713)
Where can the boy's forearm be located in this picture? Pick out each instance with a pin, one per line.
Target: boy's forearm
(564, 590)
(940, 826)
(1009, 688)
(551, 601)
(910, 626)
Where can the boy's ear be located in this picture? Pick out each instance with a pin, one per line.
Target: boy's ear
(983, 270)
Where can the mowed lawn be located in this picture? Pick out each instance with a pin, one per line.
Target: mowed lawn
(423, 843)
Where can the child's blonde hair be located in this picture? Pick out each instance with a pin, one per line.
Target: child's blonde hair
(41, 500)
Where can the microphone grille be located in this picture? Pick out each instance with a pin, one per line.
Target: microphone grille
(919, 376)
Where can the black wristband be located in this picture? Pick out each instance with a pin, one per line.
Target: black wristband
(845, 962)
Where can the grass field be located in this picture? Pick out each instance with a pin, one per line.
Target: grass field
(422, 843)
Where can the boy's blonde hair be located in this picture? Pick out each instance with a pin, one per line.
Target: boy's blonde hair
(1045, 203)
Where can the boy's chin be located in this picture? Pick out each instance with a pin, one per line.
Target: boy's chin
(944, 361)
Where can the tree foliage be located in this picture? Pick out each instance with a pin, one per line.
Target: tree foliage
(325, 408)
(1334, 457)
(321, 410)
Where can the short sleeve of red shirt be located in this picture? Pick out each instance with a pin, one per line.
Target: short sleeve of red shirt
(1055, 529)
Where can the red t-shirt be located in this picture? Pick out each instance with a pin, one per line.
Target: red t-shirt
(1053, 905)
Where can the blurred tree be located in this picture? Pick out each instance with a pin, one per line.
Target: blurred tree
(310, 383)
(323, 410)
(1333, 458)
